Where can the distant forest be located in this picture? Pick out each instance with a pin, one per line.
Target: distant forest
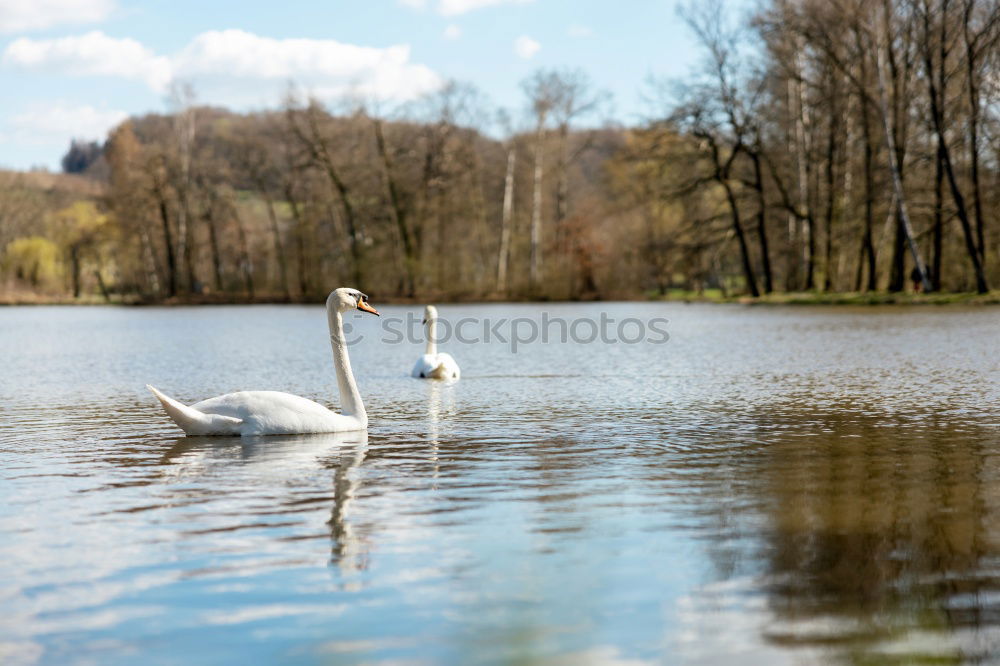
(822, 145)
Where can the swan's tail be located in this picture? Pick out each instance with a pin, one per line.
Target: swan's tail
(193, 422)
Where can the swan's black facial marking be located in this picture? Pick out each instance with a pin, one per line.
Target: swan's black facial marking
(361, 302)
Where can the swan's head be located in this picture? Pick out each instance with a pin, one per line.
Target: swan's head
(430, 314)
(345, 299)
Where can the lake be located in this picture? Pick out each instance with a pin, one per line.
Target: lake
(769, 485)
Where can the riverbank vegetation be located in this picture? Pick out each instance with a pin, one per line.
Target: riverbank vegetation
(823, 148)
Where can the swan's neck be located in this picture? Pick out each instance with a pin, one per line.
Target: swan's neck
(432, 345)
(350, 399)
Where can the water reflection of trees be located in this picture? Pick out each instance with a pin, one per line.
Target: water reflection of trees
(864, 531)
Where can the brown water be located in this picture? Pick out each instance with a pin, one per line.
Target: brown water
(770, 486)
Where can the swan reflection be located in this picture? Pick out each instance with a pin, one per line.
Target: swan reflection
(282, 460)
(440, 403)
(275, 453)
(350, 549)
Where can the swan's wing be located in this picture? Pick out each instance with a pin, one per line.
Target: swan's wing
(246, 405)
(424, 366)
(449, 367)
(436, 366)
(195, 422)
(277, 413)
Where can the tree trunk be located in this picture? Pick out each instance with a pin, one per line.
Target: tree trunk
(535, 271)
(765, 255)
(938, 222)
(847, 193)
(831, 155)
(152, 263)
(791, 254)
(972, 88)
(101, 285)
(74, 257)
(213, 241)
(185, 126)
(897, 268)
(805, 179)
(246, 262)
(300, 241)
(895, 122)
(903, 219)
(565, 239)
(734, 211)
(279, 246)
(505, 221)
(867, 246)
(185, 233)
(168, 240)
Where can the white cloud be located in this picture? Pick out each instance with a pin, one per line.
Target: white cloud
(525, 47)
(456, 7)
(414, 4)
(236, 57)
(577, 30)
(23, 15)
(91, 54)
(452, 32)
(601, 655)
(60, 122)
(235, 67)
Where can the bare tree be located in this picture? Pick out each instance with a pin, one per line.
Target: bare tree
(542, 90)
(507, 209)
(936, 96)
(307, 125)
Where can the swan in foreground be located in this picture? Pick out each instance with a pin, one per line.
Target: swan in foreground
(433, 365)
(249, 413)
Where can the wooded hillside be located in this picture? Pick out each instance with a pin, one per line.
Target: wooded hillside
(824, 146)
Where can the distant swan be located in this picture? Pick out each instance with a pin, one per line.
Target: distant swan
(248, 413)
(433, 365)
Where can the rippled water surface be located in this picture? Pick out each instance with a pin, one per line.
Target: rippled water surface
(770, 486)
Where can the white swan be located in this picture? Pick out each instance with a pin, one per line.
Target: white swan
(248, 413)
(433, 365)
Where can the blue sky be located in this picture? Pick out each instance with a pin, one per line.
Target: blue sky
(77, 67)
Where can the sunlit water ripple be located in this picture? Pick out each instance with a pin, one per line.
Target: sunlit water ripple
(772, 485)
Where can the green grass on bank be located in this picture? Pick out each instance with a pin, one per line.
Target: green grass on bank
(841, 298)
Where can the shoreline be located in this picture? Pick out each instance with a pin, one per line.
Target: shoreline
(782, 298)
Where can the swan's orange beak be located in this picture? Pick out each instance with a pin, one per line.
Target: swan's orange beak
(363, 305)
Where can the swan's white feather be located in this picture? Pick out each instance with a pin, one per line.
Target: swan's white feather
(247, 413)
(277, 413)
(195, 422)
(436, 366)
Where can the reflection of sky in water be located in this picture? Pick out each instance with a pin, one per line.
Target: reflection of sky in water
(772, 485)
